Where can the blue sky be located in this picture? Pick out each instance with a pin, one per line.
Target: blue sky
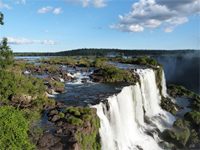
(58, 25)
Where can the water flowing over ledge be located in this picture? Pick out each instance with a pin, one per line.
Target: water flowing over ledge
(133, 118)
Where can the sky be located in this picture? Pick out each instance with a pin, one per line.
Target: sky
(59, 25)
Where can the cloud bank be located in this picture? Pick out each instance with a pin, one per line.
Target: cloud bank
(88, 3)
(19, 41)
(152, 14)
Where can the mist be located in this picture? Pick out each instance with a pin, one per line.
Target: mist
(182, 70)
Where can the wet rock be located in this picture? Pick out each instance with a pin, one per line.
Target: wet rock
(47, 125)
(61, 105)
(53, 112)
(55, 118)
(101, 95)
(97, 77)
(47, 79)
(84, 80)
(60, 131)
(48, 140)
(58, 146)
(56, 78)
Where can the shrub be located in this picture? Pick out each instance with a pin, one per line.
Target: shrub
(56, 83)
(86, 117)
(74, 121)
(13, 130)
(193, 116)
(62, 115)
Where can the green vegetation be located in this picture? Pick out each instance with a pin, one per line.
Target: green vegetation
(84, 116)
(168, 105)
(181, 124)
(74, 121)
(1, 19)
(13, 130)
(180, 90)
(57, 84)
(118, 52)
(115, 74)
(193, 116)
(6, 54)
(26, 94)
(61, 115)
(14, 86)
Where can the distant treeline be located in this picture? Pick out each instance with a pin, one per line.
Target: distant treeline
(115, 52)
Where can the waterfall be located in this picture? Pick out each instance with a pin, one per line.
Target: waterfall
(128, 117)
(164, 88)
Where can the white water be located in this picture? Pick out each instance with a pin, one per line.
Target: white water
(164, 88)
(123, 118)
(79, 76)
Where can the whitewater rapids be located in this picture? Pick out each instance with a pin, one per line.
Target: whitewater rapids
(128, 117)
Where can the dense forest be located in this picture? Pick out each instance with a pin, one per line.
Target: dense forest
(116, 52)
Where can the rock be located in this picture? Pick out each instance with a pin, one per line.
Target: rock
(60, 90)
(53, 112)
(60, 131)
(61, 105)
(47, 79)
(48, 140)
(57, 146)
(26, 99)
(46, 131)
(59, 124)
(55, 118)
(75, 146)
(67, 78)
(97, 77)
(56, 78)
(101, 95)
(84, 80)
(49, 91)
(47, 125)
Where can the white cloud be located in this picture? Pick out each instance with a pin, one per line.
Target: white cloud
(12, 40)
(151, 14)
(23, 1)
(5, 6)
(45, 10)
(87, 3)
(57, 11)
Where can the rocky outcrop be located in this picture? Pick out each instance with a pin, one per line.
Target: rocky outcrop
(49, 141)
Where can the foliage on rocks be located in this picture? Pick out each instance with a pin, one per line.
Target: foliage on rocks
(193, 116)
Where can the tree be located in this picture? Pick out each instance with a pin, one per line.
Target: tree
(6, 55)
(1, 19)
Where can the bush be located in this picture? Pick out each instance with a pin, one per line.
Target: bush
(56, 83)
(193, 116)
(13, 130)
(86, 117)
(62, 115)
(75, 121)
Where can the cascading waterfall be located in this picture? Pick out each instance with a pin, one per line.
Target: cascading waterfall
(164, 88)
(124, 116)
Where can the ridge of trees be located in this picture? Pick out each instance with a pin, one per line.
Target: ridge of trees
(115, 52)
